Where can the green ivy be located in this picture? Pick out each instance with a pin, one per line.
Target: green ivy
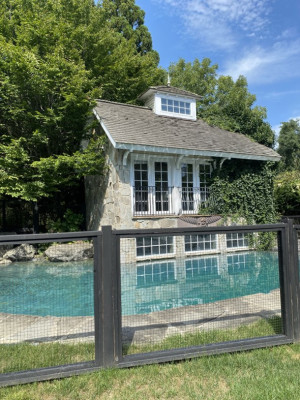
(244, 190)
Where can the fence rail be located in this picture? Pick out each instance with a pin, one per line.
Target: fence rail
(156, 295)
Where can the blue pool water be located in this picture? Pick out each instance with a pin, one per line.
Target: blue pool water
(67, 289)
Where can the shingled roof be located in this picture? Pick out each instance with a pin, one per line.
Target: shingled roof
(169, 90)
(136, 128)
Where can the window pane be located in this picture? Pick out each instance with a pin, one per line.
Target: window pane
(155, 241)
(139, 242)
(155, 250)
(163, 249)
(148, 251)
(147, 241)
(139, 251)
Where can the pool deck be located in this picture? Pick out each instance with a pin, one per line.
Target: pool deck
(145, 328)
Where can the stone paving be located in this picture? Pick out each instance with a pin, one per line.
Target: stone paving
(139, 329)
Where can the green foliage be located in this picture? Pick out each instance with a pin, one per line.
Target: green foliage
(287, 192)
(289, 145)
(226, 104)
(197, 77)
(70, 222)
(245, 190)
(125, 17)
(55, 56)
(233, 109)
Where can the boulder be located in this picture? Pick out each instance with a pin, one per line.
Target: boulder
(4, 262)
(25, 252)
(4, 249)
(69, 252)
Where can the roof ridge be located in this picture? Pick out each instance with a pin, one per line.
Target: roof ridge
(174, 87)
(123, 104)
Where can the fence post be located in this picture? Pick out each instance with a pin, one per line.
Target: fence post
(97, 242)
(108, 284)
(294, 277)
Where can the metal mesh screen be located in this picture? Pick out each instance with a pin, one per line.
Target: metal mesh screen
(46, 305)
(197, 289)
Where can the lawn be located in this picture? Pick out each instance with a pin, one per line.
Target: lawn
(266, 374)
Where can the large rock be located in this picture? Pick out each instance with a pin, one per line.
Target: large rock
(25, 252)
(4, 262)
(69, 252)
(4, 249)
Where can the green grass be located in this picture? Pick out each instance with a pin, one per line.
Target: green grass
(264, 374)
(263, 327)
(25, 356)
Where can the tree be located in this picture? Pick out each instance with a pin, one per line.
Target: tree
(233, 109)
(198, 77)
(56, 56)
(125, 17)
(289, 145)
(287, 192)
(226, 104)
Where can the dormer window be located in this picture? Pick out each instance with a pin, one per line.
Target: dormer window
(175, 106)
(171, 102)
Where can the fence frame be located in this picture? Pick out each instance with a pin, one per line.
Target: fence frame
(107, 300)
(67, 370)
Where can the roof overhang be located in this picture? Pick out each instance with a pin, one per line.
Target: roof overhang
(186, 152)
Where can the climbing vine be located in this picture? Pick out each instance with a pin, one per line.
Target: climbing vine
(244, 190)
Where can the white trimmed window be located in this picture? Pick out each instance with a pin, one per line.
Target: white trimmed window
(202, 266)
(175, 106)
(155, 274)
(154, 245)
(194, 243)
(234, 240)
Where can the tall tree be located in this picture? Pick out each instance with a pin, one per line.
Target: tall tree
(197, 77)
(56, 56)
(225, 103)
(126, 17)
(289, 145)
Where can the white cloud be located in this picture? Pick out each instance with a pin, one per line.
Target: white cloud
(282, 93)
(265, 65)
(215, 22)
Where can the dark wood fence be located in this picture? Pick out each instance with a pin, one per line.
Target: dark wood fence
(185, 331)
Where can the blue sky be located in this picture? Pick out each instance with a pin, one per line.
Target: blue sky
(259, 39)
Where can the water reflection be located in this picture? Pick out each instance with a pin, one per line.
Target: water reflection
(156, 286)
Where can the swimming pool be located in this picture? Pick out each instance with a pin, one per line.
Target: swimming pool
(66, 289)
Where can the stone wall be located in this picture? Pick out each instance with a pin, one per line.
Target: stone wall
(108, 200)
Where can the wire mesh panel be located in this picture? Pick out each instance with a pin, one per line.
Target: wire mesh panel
(46, 305)
(198, 288)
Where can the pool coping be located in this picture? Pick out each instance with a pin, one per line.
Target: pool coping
(143, 328)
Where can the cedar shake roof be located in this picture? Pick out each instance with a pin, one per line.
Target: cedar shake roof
(169, 90)
(136, 128)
